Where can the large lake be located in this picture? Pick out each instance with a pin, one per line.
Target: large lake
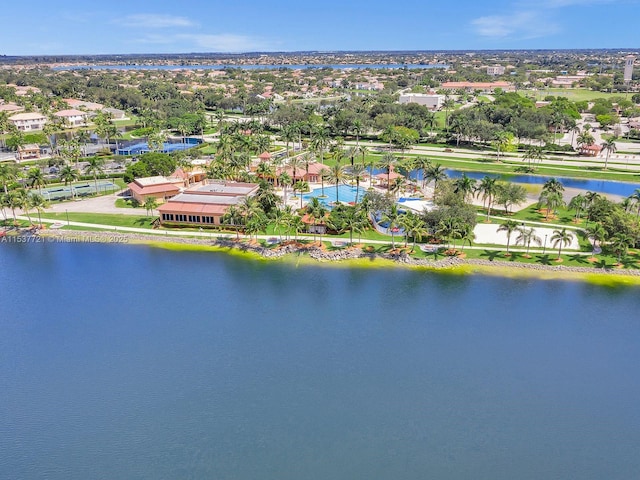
(130, 362)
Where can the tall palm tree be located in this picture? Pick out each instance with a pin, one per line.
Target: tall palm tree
(609, 146)
(464, 186)
(37, 202)
(552, 200)
(635, 196)
(316, 211)
(234, 217)
(509, 227)
(68, 175)
(620, 244)
(8, 174)
(526, 236)
(95, 167)
(577, 204)
(435, 173)
(150, 204)
(35, 178)
(337, 175)
(392, 218)
(414, 227)
(596, 233)
(387, 162)
(561, 238)
(488, 187)
(357, 173)
(422, 163)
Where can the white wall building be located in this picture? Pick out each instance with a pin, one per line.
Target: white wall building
(432, 102)
(28, 122)
(628, 68)
(72, 117)
(495, 70)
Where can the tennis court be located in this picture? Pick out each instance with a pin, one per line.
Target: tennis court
(82, 189)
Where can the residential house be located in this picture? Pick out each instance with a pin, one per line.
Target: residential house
(28, 121)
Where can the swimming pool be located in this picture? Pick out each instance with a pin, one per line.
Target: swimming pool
(346, 193)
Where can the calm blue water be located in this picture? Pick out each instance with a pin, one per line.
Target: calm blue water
(601, 186)
(346, 193)
(138, 363)
(335, 66)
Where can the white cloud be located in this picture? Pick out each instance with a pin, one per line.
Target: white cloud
(155, 20)
(523, 25)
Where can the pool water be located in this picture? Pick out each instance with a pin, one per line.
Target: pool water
(346, 193)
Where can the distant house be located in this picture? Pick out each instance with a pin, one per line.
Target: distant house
(312, 174)
(116, 114)
(28, 152)
(29, 121)
(481, 86)
(206, 204)
(23, 90)
(10, 108)
(72, 117)
(495, 70)
(89, 106)
(590, 150)
(432, 102)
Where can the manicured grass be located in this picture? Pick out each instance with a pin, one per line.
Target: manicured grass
(573, 94)
(562, 216)
(103, 218)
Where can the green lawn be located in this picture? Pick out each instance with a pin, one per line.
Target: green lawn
(573, 94)
(114, 219)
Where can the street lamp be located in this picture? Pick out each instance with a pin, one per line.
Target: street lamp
(544, 249)
(67, 212)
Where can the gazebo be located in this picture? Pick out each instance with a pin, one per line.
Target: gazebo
(264, 156)
(390, 177)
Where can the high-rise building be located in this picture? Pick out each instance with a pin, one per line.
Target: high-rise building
(628, 68)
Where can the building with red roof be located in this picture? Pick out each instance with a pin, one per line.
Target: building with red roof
(206, 204)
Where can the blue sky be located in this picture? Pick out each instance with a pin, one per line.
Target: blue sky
(159, 26)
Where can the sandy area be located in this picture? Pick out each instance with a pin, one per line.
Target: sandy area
(488, 233)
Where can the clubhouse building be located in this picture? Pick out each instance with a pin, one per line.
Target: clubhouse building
(205, 204)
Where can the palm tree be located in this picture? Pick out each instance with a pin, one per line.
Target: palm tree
(552, 200)
(392, 218)
(387, 162)
(620, 244)
(357, 173)
(233, 216)
(553, 185)
(609, 146)
(8, 174)
(435, 173)
(577, 203)
(301, 186)
(316, 211)
(447, 105)
(95, 167)
(35, 178)
(284, 179)
(488, 188)
(635, 196)
(596, 233)
(68, 175)
(37, 202)
(337, 175)
(150, 204)
(464, 186)
(509, 227)
(561, 238)
(422, 163)
(526, 236)
(533, 154)
(414, 227)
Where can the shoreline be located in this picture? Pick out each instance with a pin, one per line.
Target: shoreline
(355, 257)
